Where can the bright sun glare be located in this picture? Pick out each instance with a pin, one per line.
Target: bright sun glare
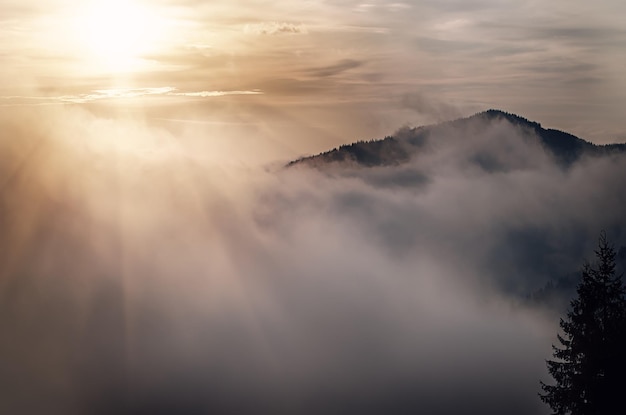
(118, 34)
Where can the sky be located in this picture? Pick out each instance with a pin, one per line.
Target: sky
(380, 64)
(156, 255)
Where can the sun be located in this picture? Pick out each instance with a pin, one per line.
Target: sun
(118, 35)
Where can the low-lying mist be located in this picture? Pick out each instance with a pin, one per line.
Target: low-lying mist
(145, 272)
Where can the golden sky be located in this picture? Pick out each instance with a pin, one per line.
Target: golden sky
(380, 64)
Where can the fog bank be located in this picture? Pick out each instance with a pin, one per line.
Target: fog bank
(145, 272)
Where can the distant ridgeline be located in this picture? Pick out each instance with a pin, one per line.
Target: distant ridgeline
(392, 150)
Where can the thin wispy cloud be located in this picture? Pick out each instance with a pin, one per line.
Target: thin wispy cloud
(373, 7)
(275, 28)
(334, 69)
(117, 94)
(205, 94)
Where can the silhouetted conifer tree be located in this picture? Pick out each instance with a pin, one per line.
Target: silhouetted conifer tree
(590, 366)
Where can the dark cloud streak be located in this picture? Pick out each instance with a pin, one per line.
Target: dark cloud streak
(335, 69)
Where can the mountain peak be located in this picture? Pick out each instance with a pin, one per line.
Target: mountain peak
(565, 148)
(512, 118)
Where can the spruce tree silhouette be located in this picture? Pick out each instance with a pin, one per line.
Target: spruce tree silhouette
(590, 368)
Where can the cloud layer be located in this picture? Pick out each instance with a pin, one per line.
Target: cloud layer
(142, 274)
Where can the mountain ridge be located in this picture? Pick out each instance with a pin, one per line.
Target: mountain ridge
(396, 149)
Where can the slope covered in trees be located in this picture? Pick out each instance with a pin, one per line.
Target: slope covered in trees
(490, 149)
(565, 148)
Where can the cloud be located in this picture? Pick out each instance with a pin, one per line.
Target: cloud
(393, 7)
(117, 93)
(275, 28)
(445, 53)
(335, 69)
(142, 273)
(429, 106)
(204, 94)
